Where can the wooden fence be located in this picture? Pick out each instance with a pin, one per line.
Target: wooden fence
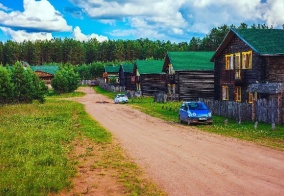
(262, 110)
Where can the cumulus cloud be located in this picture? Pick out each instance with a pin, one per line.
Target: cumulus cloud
(274, 15)
(21, 35)
(2, 7)
(170, 18)
(37, 16)
(78, 35)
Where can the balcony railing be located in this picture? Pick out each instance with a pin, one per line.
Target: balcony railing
(236, 75)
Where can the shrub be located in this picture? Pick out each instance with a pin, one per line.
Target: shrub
(65, 80)
(6, 86)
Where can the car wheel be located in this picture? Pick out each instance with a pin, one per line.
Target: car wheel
(188, 121)
(179, 119)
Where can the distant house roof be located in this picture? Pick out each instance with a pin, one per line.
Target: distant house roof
(189, 61)
(50, 69)
(265, 42)
(150, 66)
(128, 68)
(112, 69)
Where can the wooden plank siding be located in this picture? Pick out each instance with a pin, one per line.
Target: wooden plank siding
(195, 84)
(152, 83)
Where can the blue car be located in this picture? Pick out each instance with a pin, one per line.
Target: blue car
(195, 112)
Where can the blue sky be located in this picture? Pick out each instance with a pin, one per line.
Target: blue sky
(174, 20)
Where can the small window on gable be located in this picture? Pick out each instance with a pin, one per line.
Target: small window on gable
(247, 60)
(225, 93)
(238, 94)
(229, 61)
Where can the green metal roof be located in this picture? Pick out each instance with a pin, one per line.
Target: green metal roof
(191, 61)
(150, 66)
(51, 69)
(112, 69)
(263, 41)
(128, 68)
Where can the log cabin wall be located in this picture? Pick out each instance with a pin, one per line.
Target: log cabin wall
(152, 83)
(275, 68)
(195, 84)
(129, 81)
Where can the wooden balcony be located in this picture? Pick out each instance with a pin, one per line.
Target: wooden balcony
(232, 76)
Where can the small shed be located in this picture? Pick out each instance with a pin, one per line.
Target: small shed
(189, 74)
(127, 77)
(149, 77)
(45, 72)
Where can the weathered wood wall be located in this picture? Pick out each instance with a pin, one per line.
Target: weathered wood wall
(195, 84)
(152, 83)
(265, 110)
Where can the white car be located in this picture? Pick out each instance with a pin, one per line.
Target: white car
(121, 98)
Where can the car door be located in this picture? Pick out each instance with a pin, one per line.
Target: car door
(183, 111)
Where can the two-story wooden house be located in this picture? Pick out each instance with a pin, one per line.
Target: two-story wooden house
(127, 77)
(149, 76)
(246, 64)
(190, 75)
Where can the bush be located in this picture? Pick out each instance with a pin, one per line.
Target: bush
(65, 80)
(20, 85)
(6, 86)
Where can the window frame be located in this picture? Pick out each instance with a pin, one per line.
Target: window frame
(238, 93)
(252, 96)
(229, 61)
(225, 92)
(247, 60)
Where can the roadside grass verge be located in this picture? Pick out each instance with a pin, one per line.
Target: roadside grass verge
(52, 94)
(263, 134)
(36, 143)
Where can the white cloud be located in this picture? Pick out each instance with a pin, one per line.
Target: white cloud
(2, 7)
(274, 15)
(37, 16)
(20, 36)
(78, 35)
(172, 18)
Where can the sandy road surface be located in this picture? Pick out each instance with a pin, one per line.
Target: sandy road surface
(185, 161)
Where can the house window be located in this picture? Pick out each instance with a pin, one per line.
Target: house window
(225, 93)
(229, 62)
(247, 60)
(238, 66)
(238, 94)
(252, 96)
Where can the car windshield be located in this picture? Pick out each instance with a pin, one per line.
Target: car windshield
(197, 106)
(120, 95)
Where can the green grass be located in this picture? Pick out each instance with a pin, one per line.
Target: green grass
(263, 134)
(52, 94)
(36, 142)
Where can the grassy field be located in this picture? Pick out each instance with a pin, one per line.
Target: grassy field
(36, 141)
(263, 134)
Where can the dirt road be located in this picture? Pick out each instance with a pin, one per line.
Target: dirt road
(186, 161)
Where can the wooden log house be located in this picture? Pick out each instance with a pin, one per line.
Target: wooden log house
(149, 77)
(127, 77)
(189, 74)
(246, 57)
(249, 65)
(111, 72)
(45, 72)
